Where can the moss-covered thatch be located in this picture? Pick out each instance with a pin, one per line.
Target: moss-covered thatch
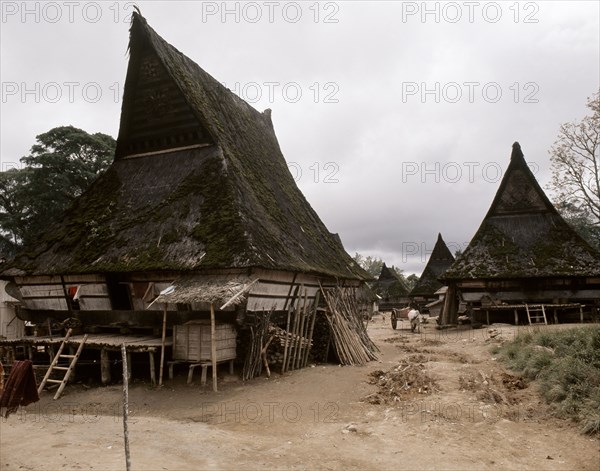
(523, 236)
(440, 260)
(390, 286)
(228, 201)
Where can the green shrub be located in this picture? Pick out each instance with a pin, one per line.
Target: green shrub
(569, 373)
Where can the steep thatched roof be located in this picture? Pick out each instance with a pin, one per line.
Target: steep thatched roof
(440, 260)
(390, 285)
(198, 182)
(523, 236)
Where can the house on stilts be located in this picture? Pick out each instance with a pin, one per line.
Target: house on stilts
(426, 293)
(197, 213)
(525, 264)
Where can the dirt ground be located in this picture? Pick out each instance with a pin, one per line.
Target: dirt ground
(434, 400)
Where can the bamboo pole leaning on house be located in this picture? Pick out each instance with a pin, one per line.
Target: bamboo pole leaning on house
(350, 339)
(300, 353)
(126, 407)
(287, 339)
(312, 327)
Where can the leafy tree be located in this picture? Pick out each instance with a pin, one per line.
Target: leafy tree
(411, 281)
(61, 166)
(371, 265)
(576, 172)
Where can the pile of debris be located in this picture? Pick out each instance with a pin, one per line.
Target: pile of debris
(405, 381)
(492, 389)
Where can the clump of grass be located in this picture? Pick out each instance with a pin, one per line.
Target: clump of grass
(567, 365)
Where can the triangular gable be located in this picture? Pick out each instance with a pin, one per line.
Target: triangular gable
(439, 261)
(155, 115)
(519, 191)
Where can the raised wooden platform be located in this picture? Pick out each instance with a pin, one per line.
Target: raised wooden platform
(103, 342)
(133, 343)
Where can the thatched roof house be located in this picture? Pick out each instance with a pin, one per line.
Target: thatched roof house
(198, 186)
(439, 261)
(524, 251)
(391, 288)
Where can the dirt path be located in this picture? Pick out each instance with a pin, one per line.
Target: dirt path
(474, 416)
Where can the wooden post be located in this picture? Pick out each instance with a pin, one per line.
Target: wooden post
(555, 312)
(126, 407)
(49, 329)
(162, 345)
(516, 317)
(487, 316)
(104, 366)
(213, 346)
(287, 339)
(129, 366)
(581, 314)
(152, 368)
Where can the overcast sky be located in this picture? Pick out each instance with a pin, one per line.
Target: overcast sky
(396, 118)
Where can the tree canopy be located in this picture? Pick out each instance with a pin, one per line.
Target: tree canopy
(61, 165)
(576, 172)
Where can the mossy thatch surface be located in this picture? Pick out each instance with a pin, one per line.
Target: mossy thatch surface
(232, 204)
(440, 260)
(523, 236)
(390, 285)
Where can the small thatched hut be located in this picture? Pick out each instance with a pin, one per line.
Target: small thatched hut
(523, 254)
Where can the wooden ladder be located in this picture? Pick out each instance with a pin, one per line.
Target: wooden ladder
(68, 370)
(534, 317)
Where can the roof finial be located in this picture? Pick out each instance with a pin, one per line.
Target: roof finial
(516, 151)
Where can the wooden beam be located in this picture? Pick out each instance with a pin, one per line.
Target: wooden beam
(152, 368)
(162, 345)
(213, 345)
(104, 366)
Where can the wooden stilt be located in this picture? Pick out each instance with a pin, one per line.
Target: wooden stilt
(487, 317)
(104, 366)
(516, 317)
(152, 368)
(213, 346)
(162, 345)
(50, 350)
(287, 340)
(581, 314)
(129, 366)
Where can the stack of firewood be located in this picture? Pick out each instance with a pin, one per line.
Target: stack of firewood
(256, 355)
(351, 342)
(275, 354)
